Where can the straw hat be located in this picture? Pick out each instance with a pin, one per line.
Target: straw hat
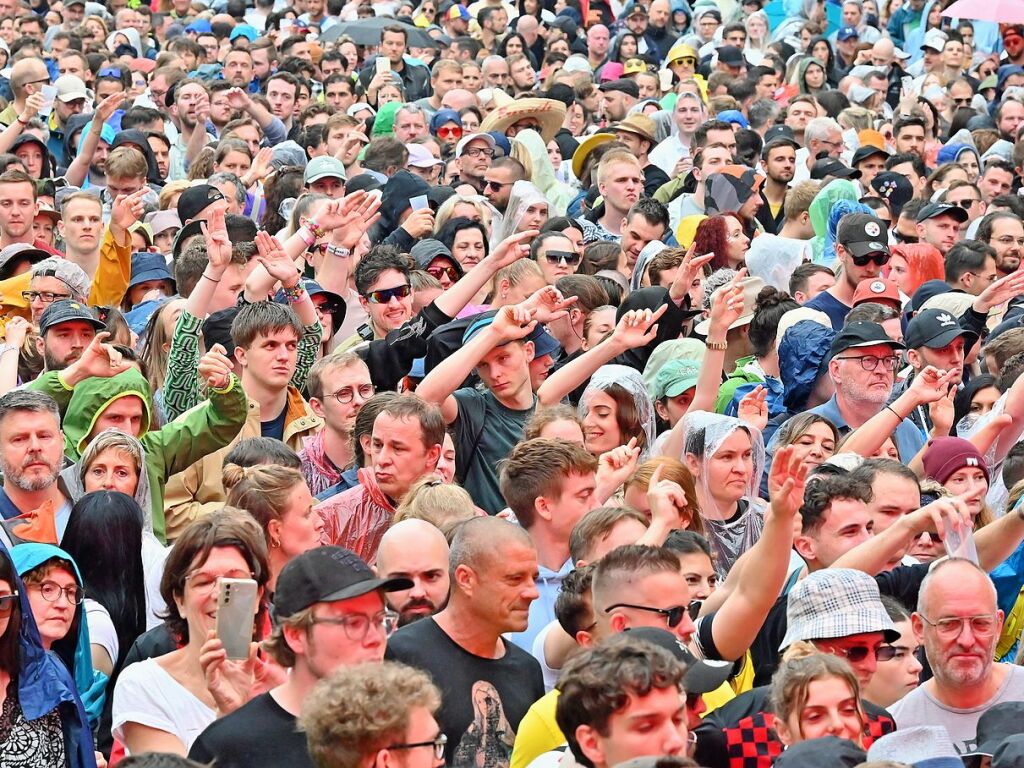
(639, 125)
(548, 112)
(579, 157)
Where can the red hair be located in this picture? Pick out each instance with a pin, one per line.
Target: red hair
(924, 263)
(710, 237)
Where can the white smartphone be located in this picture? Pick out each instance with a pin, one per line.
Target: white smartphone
(419, 202)
(236, 615)
(49, 94)
(382, 64)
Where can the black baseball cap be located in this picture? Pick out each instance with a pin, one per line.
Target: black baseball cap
(217, 329)
(866, 151)
(780, 132)
(326, 574)
(64, 311)
(731, 56)
(854, 335)
(862, 234)
(829, 166)
(194, 199)
(623, 85)
(932, 210)
(188, 231)
(935, 329)
(702, 676)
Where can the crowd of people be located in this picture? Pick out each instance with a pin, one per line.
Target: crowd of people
(398, 383)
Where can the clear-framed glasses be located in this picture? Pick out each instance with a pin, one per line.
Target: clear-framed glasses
(437, 743)
(949, 628)
(356, 625)
(870, 362)
(691, 743)
(346, 395)
(52, 591)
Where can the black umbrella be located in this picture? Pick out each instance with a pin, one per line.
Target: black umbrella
(368, 32)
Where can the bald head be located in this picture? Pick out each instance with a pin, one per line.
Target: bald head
(527, 24)
(478, 541)
(415, 550)
(458, 99)
(950, 576)
(404, 539)
(29, 72)
(882, 52)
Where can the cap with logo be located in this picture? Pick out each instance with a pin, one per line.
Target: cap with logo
(862, 234)
(933, 210)
(66, 311)
(324, 167)
(674, 378)
(945, 455)
(857, 335)
(194, 200)
(935, 329)
(847, 33)
(877, 290)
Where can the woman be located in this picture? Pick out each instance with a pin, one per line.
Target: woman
(42, 722)
(723, 236)
(466, 240)
(726, 458)
(614, 408)
(814, 437)
(232, 156)
(810, 76)
(758, 35)
(898, 676)
(914, 264)
(471, 119)
(555, 422)
(961, 469)
(599, 323)
(976, 398)
(283, 506)
(816, 695)
(115, 461)
(162, 704)
(156, 345)
(695, 558)
(821, 50)
(635, 490)
(527, 209)
(623, 48)
(473, 207)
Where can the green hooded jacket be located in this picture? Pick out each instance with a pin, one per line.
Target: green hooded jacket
(171, 449)
(821, 205)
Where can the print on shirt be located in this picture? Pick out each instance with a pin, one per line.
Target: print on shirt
(487, 743)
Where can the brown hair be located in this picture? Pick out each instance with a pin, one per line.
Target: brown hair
(538, 468)
(596, 525)
(676, 472)
(314, 381)
(542, 417)
(126, 162)
(262, 490)
(802, 665)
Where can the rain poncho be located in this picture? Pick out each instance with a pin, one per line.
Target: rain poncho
(45, 684)
(523, 195)
(703, 435)
(630, 380)
(774, 265)
(559, 195)
(131, 35)
(836, 190)
(647, 254)
(75, 652)
(800, 79)
(838, 211)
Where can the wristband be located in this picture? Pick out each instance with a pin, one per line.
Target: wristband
(717, 346)
(893, 412)
(294, 294)
(315, 229)
(307, 236)
(8, 348)
(23, 122)
(209, 278)
(337, 250)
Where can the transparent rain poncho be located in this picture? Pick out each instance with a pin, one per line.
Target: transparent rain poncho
(630, 380)
(523, 195)
(703, 435)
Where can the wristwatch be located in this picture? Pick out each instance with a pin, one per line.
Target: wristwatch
(717, 346)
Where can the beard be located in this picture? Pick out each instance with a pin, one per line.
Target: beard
(411, 611)
(55, 364)
(16, 475)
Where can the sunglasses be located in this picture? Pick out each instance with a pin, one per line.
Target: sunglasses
(109, 72)
(672, 615)
(557, 257)
(859, 653)
(905, 239)
(965, 204)
(385, 295)
(453, 132)
(880, 259)
(443, 270)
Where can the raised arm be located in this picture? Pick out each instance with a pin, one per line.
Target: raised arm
(509, 250)
(32, 106)
(79, 167)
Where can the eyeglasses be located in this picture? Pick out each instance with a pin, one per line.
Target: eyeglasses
(950, 628)
(672, 615)
(479, 152)
(7, 603)
(870, 362)
(858, 653)
(384, 295)
(496, 184)
(205, 582)
(905, 239)
(47, 297)
(558, 257)
(453, 132)
(966, 205)
(356, 625)
(880, 259)
(443, 269)
(437, 743)
(37, 82)
(346, 395)
(52, 591)
(691, 743)
(109, 72)
(1010, 240)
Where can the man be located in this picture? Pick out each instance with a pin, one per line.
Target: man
(597, 45)
(620, 182)
(498, 181)
(81, 229)
(688, 115)
(417, 551)
(908, 134)
(325, 176)
(28, 76)
(238, 68)
(338, 385)
(339, 92)
(862, 250)
(322, 599)
(70, 100)
(847, 41)
(706, 161)
(970, 266)
(822, 135)
(617, 98)
(410, 123)
(474, 153)
(808, 280)
(549, 485)
(31, 457)
(493, 22)
(495, 72)
(938, 224)
(608, 688)
(1004, 233)
(282, 92)
(523, 77)
(996, 180)
(406, 445)
(415, 78)
(375, 714)
(455, 21)
(646, 221)
(18, 191)
(870, 161)
(637, 133)
(799, 113)
(958, 622)
(1009, 117)
(779, 161)
(445, 76)
(488, 682)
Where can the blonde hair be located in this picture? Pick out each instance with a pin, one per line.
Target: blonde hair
(803, 664)
(261, 490)
(444, 212)
(443, 505)
(170, 193)
(613, 158)
(521, 153)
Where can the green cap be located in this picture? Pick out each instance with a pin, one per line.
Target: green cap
(674, 378)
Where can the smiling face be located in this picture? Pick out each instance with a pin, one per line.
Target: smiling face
(831, 709)
(816, 444)
(896, 677)
(197, 603)
(600, 425)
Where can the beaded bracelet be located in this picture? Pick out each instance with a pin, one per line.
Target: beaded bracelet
(294, 294)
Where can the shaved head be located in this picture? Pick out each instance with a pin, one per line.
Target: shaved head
(406, 537)
(415, 550)
(477, 541)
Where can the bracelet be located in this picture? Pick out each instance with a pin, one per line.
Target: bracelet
(8, 348)
(294, 294)
(23, 122)
(209, 278)
(318, 232)
(893, 412)
(717, 346)
(307, 236)
(337, 250)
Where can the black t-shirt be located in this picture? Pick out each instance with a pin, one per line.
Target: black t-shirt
(482, 700)
(258, 734)
(275, 427)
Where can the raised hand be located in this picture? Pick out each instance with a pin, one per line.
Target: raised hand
(668, 502)
(947, 513)
(349, 218)
(638, 327)
(98, 359)
(513, 248)
(727, 305)
(128, 209)
(941, 413)
(238, 99)
(230, 682)
(275, 260)
(218, 245)
(931, 384)
(215, 367)
(786, 483)
(692, 266)
(106, 108)
(753, 408)
(614, 467)
(419, 224)
(548, 304)
(16, 330)
(514, 322)
(1000, 292)
(202, 111)
(260, 166)
(33, 104)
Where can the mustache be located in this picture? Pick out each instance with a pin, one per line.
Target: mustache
(35, 458)
(419, 602)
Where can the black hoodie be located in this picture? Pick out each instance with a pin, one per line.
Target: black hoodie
(137, 139)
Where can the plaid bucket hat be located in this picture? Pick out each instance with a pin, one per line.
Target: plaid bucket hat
(833, 603)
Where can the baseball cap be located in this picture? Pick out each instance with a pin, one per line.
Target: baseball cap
(674, 378)
(161, 221)
(199, 26)
(845, 33)
(731, 56)
(323, 575)
(934, 39)
(420, 157)
(18, 252)
(895, 188)
(855, 335)
(780, 132)
(457, 12)
(916, 744)
(324, 167)
(543, 342)
(248, 31)
(464, 141)
(830, 166)
(733, 117)
(815, 753)
(933, 210)
(638, 9)
(862, 234)
(702, 675)
(877, 289)
(945, 455)
(195, 199)
(995, 725)
(865, 151)
(64, 311)
(70, 87)
(935, 329)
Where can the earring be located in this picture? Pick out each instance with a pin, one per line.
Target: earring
(274, 543)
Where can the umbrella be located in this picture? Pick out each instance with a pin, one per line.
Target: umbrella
(1001, 11)
(368, 32)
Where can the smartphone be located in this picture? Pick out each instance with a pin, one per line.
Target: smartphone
(665, 78)
(236, 614)
(382, 63)
(49, 94)
(419, 202)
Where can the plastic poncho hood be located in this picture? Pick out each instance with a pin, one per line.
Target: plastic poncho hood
(803, 358)
(93, 396)
(523, 195)
(836, 190)
(632, 382)
(559, 195)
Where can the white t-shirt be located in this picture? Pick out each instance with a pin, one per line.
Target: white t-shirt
(147, 694)
(101, 628)
(153, 556)
(550, 675)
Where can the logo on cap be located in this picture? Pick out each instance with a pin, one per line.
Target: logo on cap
(877, 287)
(971, 461)
(871, 229)
(945, 319)
(876, 246)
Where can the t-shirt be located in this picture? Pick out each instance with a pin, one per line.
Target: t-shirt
(831, 306)
(920, 707)
(482, 700)
(101, 628)
(485, 433)
(147, 694)
(261, 733)
(275, 427)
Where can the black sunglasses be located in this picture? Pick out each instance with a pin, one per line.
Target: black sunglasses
(672, 615)
(557, 257)
(905, 239)
(880, 259)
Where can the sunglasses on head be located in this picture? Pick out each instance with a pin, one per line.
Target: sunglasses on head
(109, 72)
(557, 257)
(384, 295)
(880, 259)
